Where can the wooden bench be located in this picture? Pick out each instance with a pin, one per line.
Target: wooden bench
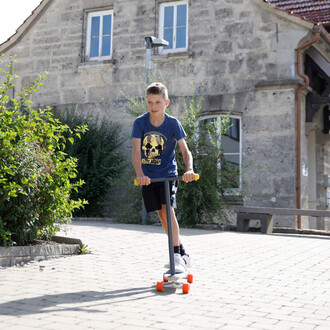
(265, 215)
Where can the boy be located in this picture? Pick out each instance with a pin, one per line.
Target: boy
(155, 135)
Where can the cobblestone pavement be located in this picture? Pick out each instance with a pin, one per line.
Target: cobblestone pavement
(240, 281)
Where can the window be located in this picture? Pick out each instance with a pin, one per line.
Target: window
(173, 25)
(99, 35)
(230, 149)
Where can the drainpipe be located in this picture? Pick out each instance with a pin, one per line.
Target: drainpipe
(298, 151)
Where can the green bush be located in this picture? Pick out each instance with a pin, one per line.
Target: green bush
(100, 159)
(204, 201)
(35, 172)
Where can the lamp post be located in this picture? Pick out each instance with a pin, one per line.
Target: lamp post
(150, 42)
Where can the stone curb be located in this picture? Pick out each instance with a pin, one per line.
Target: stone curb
(67, 240)
(17, 255)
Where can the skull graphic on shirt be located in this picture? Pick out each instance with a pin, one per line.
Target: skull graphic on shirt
(153, 145)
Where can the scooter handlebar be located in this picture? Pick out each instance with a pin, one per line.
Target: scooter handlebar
(180, 178)
(195, 178)
(136, 182)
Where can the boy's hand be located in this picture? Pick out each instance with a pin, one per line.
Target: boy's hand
(189, 176)
(143, 180)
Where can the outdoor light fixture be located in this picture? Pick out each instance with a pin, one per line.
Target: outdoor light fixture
(151, 42)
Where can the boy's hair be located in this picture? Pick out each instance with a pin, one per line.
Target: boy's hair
(158, 89)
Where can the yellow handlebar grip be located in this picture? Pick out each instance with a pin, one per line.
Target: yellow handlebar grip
(136, 182)
(196, 177)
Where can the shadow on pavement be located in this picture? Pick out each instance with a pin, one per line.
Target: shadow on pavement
(84, 301)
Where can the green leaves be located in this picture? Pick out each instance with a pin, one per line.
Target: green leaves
(35, 173)
(99, 155)
(203, 201)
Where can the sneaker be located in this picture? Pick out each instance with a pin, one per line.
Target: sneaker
(179, 263)
(185, 258)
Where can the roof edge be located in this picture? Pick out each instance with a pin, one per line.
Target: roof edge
(284, 14)
(24, 27)
(323, 32)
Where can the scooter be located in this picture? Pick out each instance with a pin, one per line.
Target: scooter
(171, 278)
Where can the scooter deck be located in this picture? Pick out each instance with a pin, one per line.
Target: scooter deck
(177, 276)
(176, 280)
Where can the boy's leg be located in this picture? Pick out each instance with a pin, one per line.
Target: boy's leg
(178, 261)
(175, 226)
(176, 234)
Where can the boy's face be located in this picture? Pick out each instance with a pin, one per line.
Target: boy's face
(156, 104)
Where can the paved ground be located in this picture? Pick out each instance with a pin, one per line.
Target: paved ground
(240, 281)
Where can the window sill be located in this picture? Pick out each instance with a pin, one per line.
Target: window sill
(96, 63)
(171, 56)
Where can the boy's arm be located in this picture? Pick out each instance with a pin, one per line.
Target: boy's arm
(189, 175)
(136, 160)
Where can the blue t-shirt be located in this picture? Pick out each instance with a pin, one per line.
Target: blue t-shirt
(158, 145)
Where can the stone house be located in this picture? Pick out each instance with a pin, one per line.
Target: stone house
(271, 56)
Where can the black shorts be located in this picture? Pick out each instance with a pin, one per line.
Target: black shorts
(154, 195)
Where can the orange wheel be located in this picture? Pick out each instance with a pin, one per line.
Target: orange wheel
(190, 278)
(164, 279)
(185, 288)
(160, 286)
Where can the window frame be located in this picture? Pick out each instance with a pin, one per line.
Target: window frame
(101, 14)
(162, 7)
(218, 117)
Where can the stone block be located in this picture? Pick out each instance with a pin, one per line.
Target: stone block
(69, 249)
(245, 14)
(235, 29)
(246, 43)
(235, 65)
(36, 250)
(74, 95)
(15, 261)
(224, 13)
(70, 240)
(5, 262)
(218, 68)
(255, 62)
(24, 67)
(268, 27)
(269, 123)
(47, 40)
(224, 47)
(14, 251)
